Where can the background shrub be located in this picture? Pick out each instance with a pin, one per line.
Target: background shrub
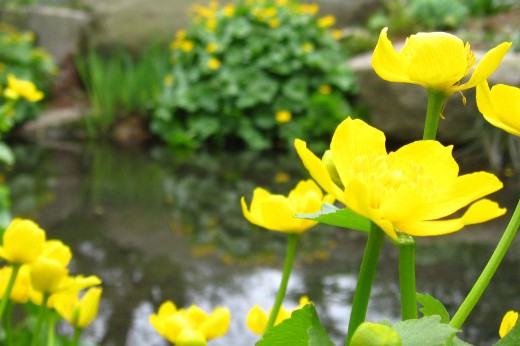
(262, 72)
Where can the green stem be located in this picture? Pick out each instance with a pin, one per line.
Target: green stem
(436, 102)
(292, 242)
(489, 270)
(406, 247)
(367, 273)
(50, 330)
(75, 338)
(9, 324)
(8, 289)
(39, 321)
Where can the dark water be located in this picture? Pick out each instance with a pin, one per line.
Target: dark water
(157, 226)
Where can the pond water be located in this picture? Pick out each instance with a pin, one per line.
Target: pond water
(156, 225)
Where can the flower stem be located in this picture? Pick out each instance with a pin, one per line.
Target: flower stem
(406, 247)
(367, 273)
(39, 321)
(489, 270)
(8, 289)
(75, 338)
(9, 324)
(51, 329)
(436, 101)
(292, 242)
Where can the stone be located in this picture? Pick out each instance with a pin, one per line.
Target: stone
(399, 109)
(58, 30)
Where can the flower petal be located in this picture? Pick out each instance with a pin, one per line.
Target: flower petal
(482, 211)
(500, 106)
(486, 66)
(389, 64)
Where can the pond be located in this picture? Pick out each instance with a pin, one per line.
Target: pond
(156, 226)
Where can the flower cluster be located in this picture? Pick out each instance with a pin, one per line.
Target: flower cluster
(37, 271)
(258, 71)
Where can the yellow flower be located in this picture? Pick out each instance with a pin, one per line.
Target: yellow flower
(168, 80)
(22, 284)
(257, 317)
(337, 34)
(500, 106)
(411, 190)
(508, 323)
(276, 212)
(79, 312)
(307, 47)
(311, 9)
(186, 46)
(17, 88)
(211, 47)
(283, 116)
(326, 21)
(438, 61)
(67, 285)
(213, 64)
(56, 250)
(192, 326)
(228, 10)
(325, 89)
(47, 274)
(274, 23)
(23, 242)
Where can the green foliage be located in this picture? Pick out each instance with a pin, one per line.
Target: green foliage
(408, 16)
(344, 218)
(432, 307)
(19, 56)
(302, 329)
(261, 73)
(119, 84)
(427, 330)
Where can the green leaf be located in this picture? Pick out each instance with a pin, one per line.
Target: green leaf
(510, 339)
(425, 331)
(333, 216)
(432, 307)
(302, 329)
(6, 154)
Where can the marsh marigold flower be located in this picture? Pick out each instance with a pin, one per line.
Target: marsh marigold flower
(283, 116)
(23, 242)
(257, 317)
(192, 326)
(17, 88)
(412, 190)
(508, 323)
(79, 312)
(500, 106)
(438, 61)
(276, 212)
(22, 284)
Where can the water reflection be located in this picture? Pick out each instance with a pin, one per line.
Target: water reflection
(156, 226)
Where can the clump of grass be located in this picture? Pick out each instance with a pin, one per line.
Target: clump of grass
(119, 83)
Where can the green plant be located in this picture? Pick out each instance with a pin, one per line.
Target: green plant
(119, 84)
(254, 72)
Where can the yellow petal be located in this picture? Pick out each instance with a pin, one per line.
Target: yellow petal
(88, 307)
(46, 275)
(430, 228)
(317, 169)
(508, 323)
(389, 64)
(482, 211)
(55, 249)
(167, 308)
(256, 320)
(354, 138)
(190, 337)
(23, 242)
(500, 106)
(217, 323)
(487, 65)
(277, 215)
(438, 59)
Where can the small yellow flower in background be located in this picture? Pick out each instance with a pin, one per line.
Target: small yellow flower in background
(186, 46)
(325, 89)
(23, 242)
(411, 190)
(283, 116)
(192, 326)
(211, 24)
(213, 64)
(228, 10)
(438, 61)
(257, 317)
(311, 9)
(325, 22)
(17, 88)
(282, 177)
(211, 47)
(274, 23)
(508, 323)
(500, 106)
(337, 34)
(168, 80)
(79, 312)
(281, 3)
(276, 212)
(22, 284)
(307, 47)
